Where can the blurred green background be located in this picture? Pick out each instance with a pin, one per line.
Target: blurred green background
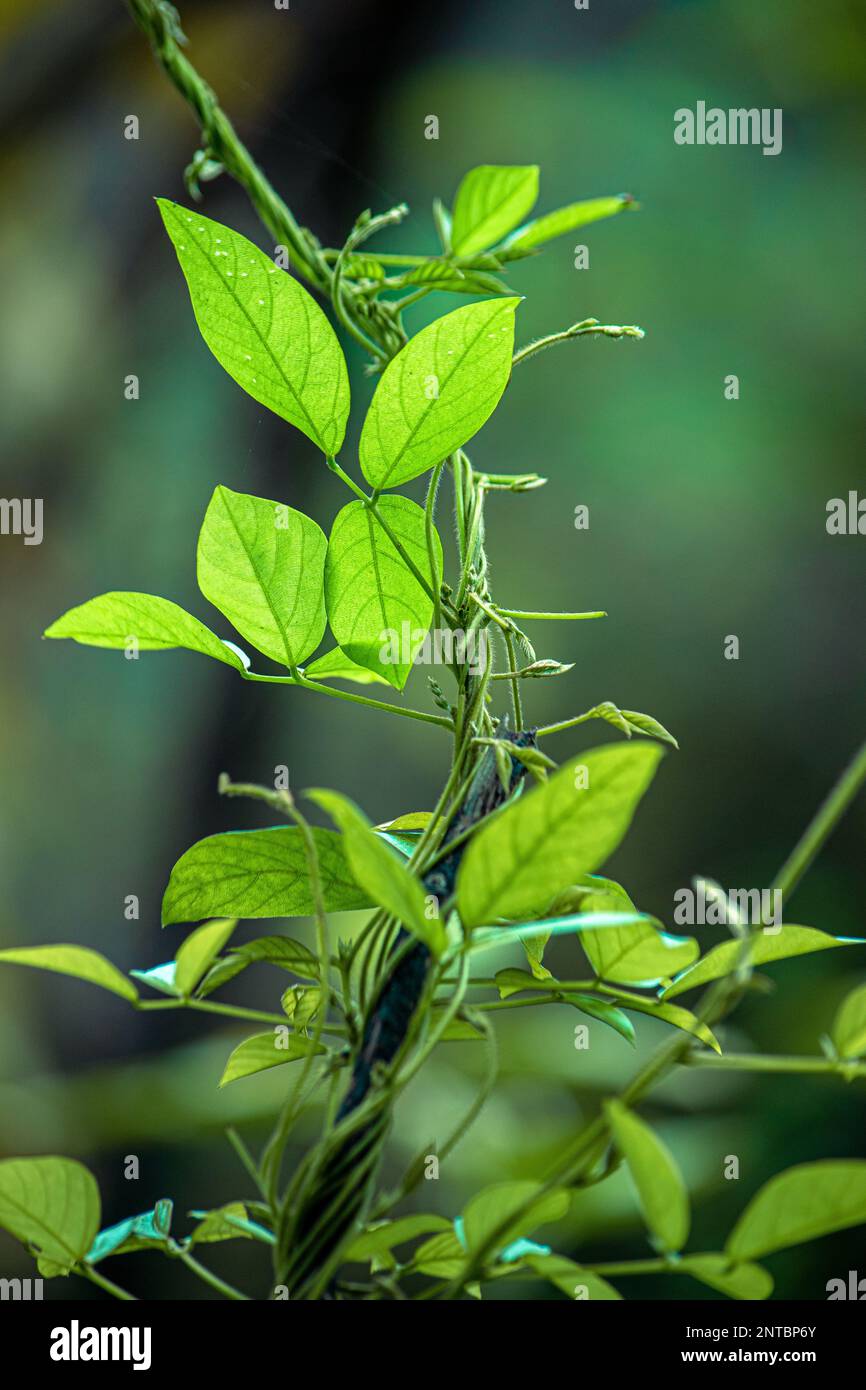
(707, 519)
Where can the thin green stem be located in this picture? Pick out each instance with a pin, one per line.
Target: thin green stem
(160, 24)
(432, 551)
(822, 824)
(303, 683)
(372, 503)
(577, 330)
(516, 702)
(548, 617)
(791, 1066)
(88, 1272)
(208, 1277)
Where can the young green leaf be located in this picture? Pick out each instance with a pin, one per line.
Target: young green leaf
(281, 951)
(605, 1013)
(145, 1232)
(637, 952)
(630, 722)
(261, 325)
(198, 953)
(262, 565)
(567, 219)
(534, 849)
(379, 1240)
(849, 1025)
(803, 1203)
(301, 1003)
(160, 978)
(336, 666)
(438, 392)
(265, 1050)
(660, 1188)
(671, 1014)
(78, 961)
(767, 947)
(501, 1204)
(126, 620)
(258, 873)
(490, 201)
(379, 872)
(52, 1204)
(376, 606)
(572, 1279)
(230, 1222)
(533, 949)
(747, 1281)
(441, 1257)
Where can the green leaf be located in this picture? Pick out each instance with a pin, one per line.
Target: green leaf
(198, 953)
(500, 1204)
(379, 872)
(441, 1257)
(660, 1188)
(336, 666)
(265, 1050)
(671, 1014)
(78, 961)
(748, 1281)
(567, 219)
(604, 1012)
(438, 392)
(159, 977)
(379, 1239)
(533, 948)
(230, 1222)
(301, 1003)
(51, 1204)
(260, 324)
(635, 953)
(412, 821)
(376, 606)
(535, 848)
(767, 947)
(490, 201)
(150, 1229)
(258, 873)
(154, 624)
(572, 1279)
(803, 1203)
(281, 951)
(638, 954)
(263, 566)
(458, 1030)
(849, 1025)
(630, 722)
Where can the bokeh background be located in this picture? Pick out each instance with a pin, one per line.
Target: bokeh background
(707, 519)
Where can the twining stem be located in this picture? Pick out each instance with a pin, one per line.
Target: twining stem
(577, 330)
(160, 23)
